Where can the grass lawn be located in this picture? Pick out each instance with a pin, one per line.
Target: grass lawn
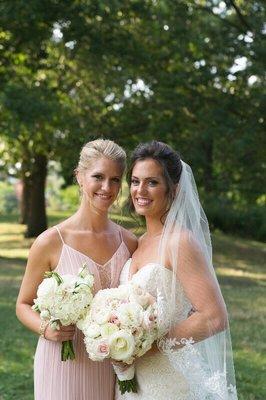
(241, 271)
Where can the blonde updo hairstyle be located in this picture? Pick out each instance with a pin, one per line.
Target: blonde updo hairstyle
(98, 148)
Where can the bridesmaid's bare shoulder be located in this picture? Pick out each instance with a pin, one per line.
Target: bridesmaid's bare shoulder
(47, 247)
(130, 240)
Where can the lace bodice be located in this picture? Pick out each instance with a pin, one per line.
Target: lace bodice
(157, 280)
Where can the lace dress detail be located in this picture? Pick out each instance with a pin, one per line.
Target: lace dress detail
(172, 375)
(105, 277)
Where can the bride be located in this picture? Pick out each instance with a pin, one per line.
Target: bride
(193, 359)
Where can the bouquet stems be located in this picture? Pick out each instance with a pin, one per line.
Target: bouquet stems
(67, 351)
(128, 386)
(126, 379)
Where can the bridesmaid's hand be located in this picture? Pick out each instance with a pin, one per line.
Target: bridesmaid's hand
(63, 334)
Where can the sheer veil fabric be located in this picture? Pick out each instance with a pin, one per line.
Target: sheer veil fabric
(204, 360)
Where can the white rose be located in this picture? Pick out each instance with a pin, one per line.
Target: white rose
(130, 314)
(121, 345)
(108, 329)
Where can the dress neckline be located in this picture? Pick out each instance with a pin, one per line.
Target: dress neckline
(98, 264)
(149, 264)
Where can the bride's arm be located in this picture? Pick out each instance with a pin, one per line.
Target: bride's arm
(209, 314)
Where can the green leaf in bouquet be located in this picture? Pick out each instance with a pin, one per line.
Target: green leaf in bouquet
(55, 275)
(128, 386)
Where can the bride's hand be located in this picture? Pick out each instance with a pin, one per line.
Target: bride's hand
(63, 334)
(154, 350)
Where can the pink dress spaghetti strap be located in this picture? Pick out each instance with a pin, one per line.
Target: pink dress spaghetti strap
(81, 379)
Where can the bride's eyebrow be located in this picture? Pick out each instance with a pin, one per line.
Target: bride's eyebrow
(147, 178)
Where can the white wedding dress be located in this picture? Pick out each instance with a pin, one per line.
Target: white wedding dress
(157, 379)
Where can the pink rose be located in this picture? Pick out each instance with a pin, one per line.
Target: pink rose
(103, 348)
(114, 319)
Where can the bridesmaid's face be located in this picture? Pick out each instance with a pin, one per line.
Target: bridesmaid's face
(100, 184)
(148, 189)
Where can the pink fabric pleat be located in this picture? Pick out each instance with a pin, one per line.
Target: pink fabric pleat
(81, 379)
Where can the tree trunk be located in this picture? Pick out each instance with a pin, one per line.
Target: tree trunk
(36, 214)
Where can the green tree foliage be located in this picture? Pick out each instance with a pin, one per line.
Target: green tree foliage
(189, 73)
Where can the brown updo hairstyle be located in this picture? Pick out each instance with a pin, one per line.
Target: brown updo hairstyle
(169, 161)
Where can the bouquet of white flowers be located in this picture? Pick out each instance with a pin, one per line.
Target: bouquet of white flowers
(121, 325)
(64, 299)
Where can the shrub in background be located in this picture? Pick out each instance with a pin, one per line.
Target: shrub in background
(245, 221)
(8, 199)
(66, 199)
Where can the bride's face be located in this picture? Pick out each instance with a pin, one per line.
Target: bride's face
(100, 184)
(148, 189)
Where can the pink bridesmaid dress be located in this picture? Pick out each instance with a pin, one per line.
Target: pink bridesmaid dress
(81, 379)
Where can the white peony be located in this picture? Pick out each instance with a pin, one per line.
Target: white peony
(68, 283)
(130, 314)
(102, 316)
(92, 330)
(47, 287)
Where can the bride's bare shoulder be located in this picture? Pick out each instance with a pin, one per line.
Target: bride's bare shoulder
(183, 238)
(181, 244)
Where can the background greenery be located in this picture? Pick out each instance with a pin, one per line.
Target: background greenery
(186, 72)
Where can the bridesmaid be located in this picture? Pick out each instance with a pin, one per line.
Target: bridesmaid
(87, 236)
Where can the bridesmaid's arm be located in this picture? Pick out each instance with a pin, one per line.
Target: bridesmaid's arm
(39, 262)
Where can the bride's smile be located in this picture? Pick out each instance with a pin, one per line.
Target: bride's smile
(148, 188)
